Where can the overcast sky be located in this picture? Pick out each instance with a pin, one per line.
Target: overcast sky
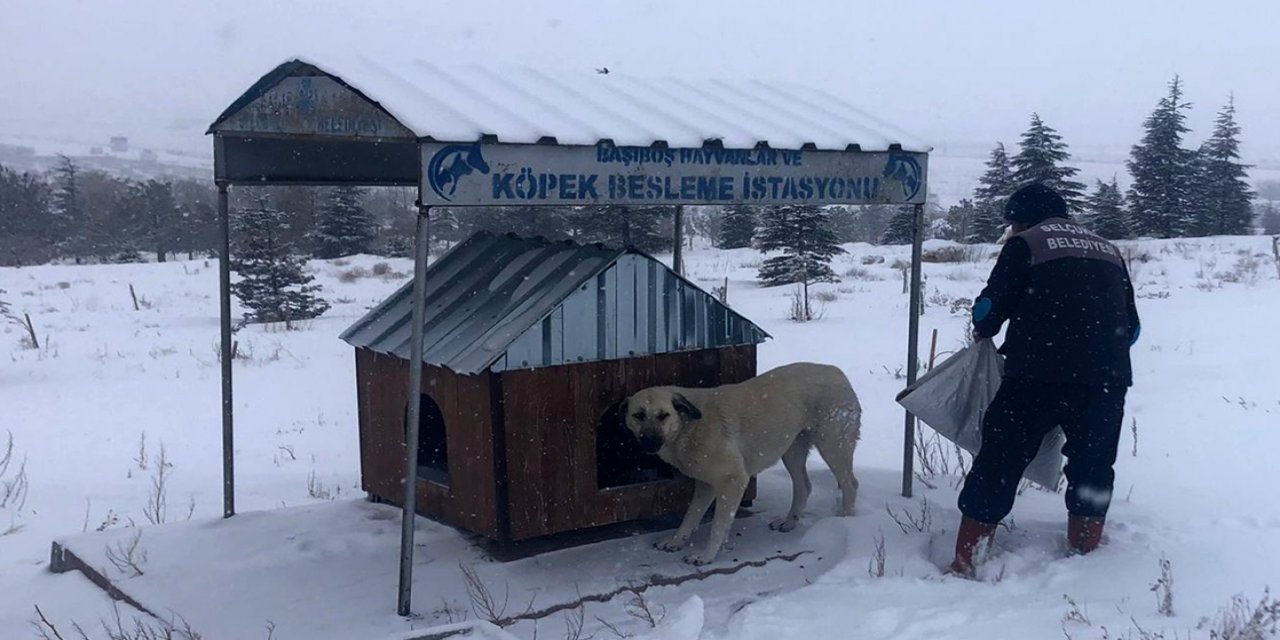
(951, 72)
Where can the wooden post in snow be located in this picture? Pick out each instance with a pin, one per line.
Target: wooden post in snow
(933, 349)
(1275, 250)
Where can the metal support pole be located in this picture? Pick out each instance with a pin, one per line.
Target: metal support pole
(410, 505)
(677, 252)
(224, 299)
(913, 347)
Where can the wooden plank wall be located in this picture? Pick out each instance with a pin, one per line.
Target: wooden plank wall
(551, 416)
(470, 499)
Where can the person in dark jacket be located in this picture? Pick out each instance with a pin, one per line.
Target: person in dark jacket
(1067, 297)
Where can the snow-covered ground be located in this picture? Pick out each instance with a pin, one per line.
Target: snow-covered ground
(110, 387)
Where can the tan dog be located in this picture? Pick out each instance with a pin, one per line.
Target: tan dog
(723, 436)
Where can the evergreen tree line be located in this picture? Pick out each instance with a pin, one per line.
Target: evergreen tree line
(1175, 192)
(90, 216)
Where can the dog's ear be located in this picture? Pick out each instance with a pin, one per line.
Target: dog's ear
(682, 406)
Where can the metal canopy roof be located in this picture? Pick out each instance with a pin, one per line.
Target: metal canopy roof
(490, 290)
(463, 103)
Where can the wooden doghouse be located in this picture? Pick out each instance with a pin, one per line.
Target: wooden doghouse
(530, 346)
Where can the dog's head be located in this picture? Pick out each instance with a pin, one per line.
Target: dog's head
(656, 415)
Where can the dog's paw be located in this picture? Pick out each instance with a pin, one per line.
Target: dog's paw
(670, 546)
(784, 524)
(699, 559)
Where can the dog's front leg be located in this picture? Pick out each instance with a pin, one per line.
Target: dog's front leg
(726, 508)
(703, 495)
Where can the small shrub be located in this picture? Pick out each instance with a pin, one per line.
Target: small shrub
(939, 299)
(1163, 588)
(317, 489)
(381, 269)
(875, 567)
(1075, 613)
(802, 311)
(128, 557)
(921, 522)
(353, 274)
(952, 254)
(1244, 271)
(860, 273)
(825, 296)
(1241, 620)
(1134, 254)
(870, 260)
(13, 480)
(158, 500)
(961, 275)
(116, 628)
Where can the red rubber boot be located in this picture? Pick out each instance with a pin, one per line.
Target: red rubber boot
(1084, 534)
(973, 534)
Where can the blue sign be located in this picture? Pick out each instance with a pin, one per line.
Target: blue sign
(513, 174)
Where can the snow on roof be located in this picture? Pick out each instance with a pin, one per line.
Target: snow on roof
(462, 103)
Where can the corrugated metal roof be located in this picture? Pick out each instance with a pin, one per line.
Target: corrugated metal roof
(462, 103)
(492, 290)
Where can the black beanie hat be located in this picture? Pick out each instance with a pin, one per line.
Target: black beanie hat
(1033, 204)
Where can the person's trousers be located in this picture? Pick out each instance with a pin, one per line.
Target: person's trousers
(1015, 424)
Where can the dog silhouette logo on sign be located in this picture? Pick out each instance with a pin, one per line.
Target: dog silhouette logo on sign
(905, 169)
(451, 164)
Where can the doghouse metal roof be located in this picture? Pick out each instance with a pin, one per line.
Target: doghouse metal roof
(503, 302)
(516, 104)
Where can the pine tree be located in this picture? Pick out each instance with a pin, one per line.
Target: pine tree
(958, 221)
(343, 226)
(1199, 216)
(126, 228)
(1039, 160)
(807, 244)
(869, 223)
(1104, 213)
(643, 227)
(161, 218)
(26, 226)
(1268, 218)
(845, 222)
(738, 226)
(997, 182)
(995, 186)
(198, 232)
(554, 223)
(1160, 200)
(624, 226)
(1224, 202)
(444, 224)
(988, 223)
(901, 229)
(68, 211)
(273, 284)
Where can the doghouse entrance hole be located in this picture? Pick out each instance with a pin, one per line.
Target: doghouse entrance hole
(619, 459)
(433, 450)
